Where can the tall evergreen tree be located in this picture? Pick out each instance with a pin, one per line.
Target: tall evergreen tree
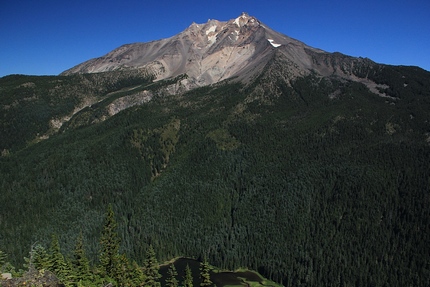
(40, 257)
(57, 262)
(172, 281)
(109, 241)
(188, 280)
(204, 274)
(150, 269)
(80, 262)
(124, 273)
(5, 266)
(137, 276)
(2, 258)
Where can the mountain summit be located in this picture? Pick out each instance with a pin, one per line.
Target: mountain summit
(215, 51)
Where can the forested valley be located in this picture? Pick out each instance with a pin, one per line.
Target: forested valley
(315, 183)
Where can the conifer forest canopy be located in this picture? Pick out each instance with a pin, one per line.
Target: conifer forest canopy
(315, 182)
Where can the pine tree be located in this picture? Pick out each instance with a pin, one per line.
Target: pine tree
(40, 257)
(204, 274)
(188, 280)
(5, 266)
(150, 269)
(171, 276)
(57, 263)
(2, 258)
(123, 276)
(80, 262)
(137, 276)
(109, 241)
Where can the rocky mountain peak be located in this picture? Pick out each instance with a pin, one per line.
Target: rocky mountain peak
(207, 53)
(214, 51)
(245, 19)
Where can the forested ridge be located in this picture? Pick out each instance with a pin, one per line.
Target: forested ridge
(323, 184)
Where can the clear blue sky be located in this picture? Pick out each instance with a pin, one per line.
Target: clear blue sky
(46, 37)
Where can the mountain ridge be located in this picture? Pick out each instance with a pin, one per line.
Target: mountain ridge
(214, 51)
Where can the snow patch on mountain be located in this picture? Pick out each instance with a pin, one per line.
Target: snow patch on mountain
(237, 21)
(234, 35)
(212, 29)
(271, 41)
(212, 39)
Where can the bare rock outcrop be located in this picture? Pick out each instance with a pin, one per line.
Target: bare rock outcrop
(214, 51)
(33, 277)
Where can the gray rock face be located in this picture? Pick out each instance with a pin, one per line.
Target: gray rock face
(6, 276)
(207, 53)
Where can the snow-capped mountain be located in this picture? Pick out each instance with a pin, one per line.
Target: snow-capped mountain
(215, 51)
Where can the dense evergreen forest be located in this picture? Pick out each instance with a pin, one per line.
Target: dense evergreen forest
(318, 182)
(49, 267)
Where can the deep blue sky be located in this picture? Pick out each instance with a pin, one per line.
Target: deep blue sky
(46, 37)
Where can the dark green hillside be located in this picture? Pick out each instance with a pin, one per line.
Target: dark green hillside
(324, 184)
(30, 103)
